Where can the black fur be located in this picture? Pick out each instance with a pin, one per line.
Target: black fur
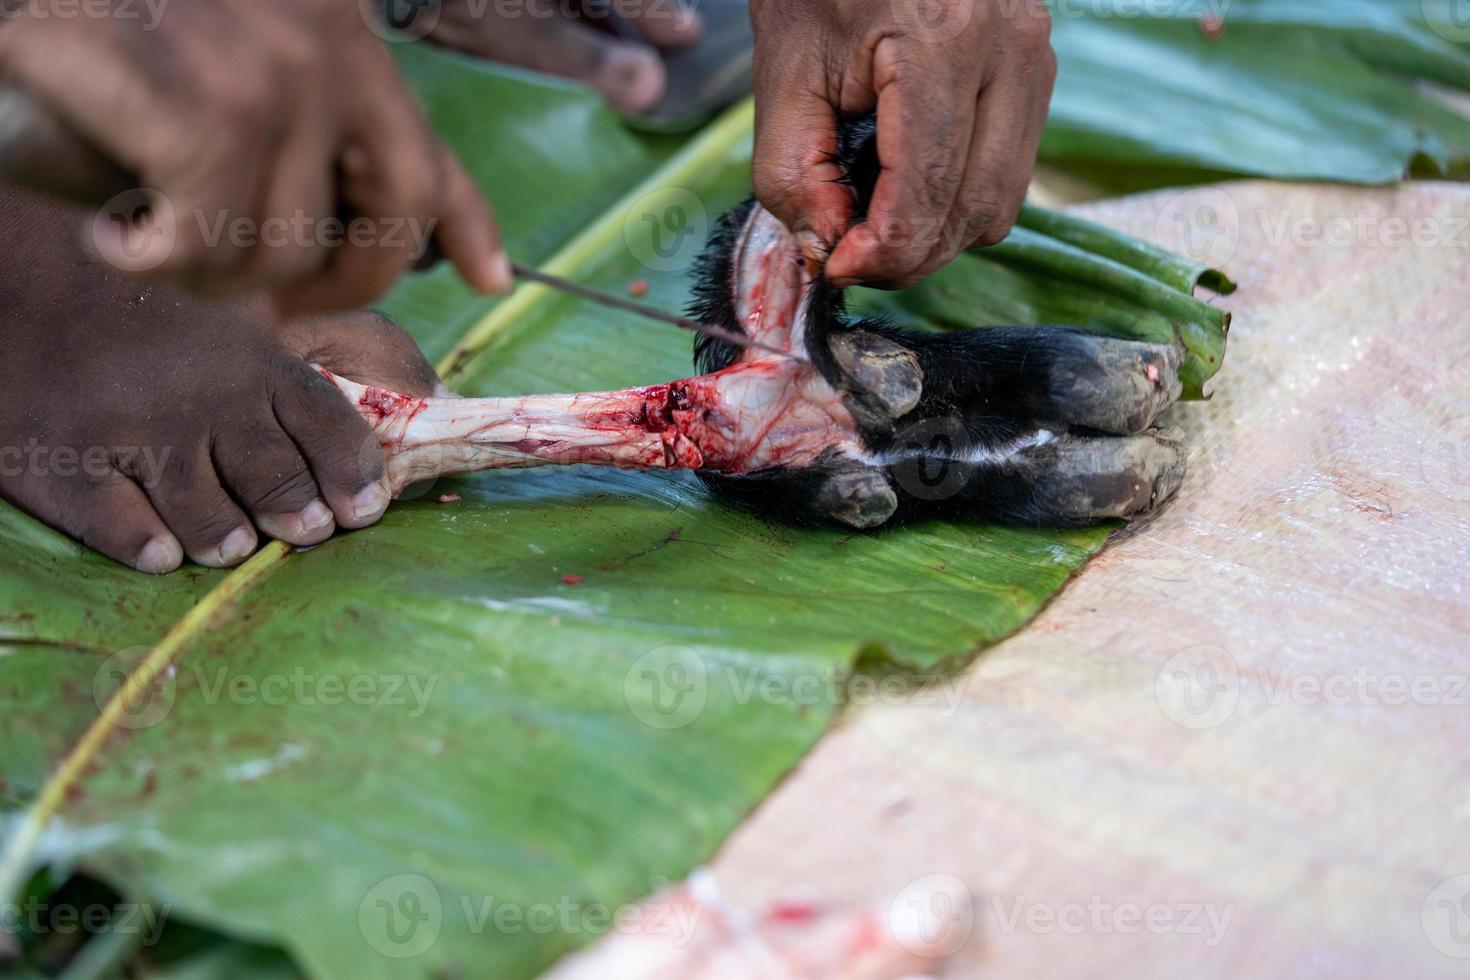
(981, 389)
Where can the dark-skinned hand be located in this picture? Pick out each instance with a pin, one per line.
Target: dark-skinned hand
(572, 39)
(961, 89)
(257, 112)
(152, 425)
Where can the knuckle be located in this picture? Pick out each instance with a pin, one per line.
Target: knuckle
(991, 234)
(990, 218)
(196, 519)
(283, 489)
(938, 184)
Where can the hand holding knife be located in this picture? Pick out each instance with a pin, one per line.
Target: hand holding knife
(39, 151)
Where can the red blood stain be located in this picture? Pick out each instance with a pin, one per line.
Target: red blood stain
(570, 579)
(377, 404)
(638, 288)
(793, 912)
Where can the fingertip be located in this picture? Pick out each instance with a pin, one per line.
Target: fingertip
(632, 79)
(161, 555)
(851, 262)
(312, 525)
(366, 507)
(493, 275)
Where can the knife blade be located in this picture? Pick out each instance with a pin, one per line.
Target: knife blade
(38, 150)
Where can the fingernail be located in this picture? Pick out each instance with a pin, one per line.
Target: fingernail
(316, 516)
(631, 78)
(502, 277)
(236, 546)
(160, 555)
(370, 502)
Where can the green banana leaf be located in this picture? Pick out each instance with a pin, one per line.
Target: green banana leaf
(559, 691)
(1151, 94)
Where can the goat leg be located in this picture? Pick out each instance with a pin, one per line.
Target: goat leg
(746, 417)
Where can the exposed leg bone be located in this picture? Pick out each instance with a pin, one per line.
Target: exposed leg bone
(759, 415)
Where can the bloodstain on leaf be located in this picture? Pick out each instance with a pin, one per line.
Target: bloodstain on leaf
(570, 579)
(638, 288)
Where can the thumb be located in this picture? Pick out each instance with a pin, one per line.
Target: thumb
(794, 169)
(365, 347)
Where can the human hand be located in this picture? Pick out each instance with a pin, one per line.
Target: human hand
(151, 425)
(550, 36)
(279, 146)
(961, 101)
